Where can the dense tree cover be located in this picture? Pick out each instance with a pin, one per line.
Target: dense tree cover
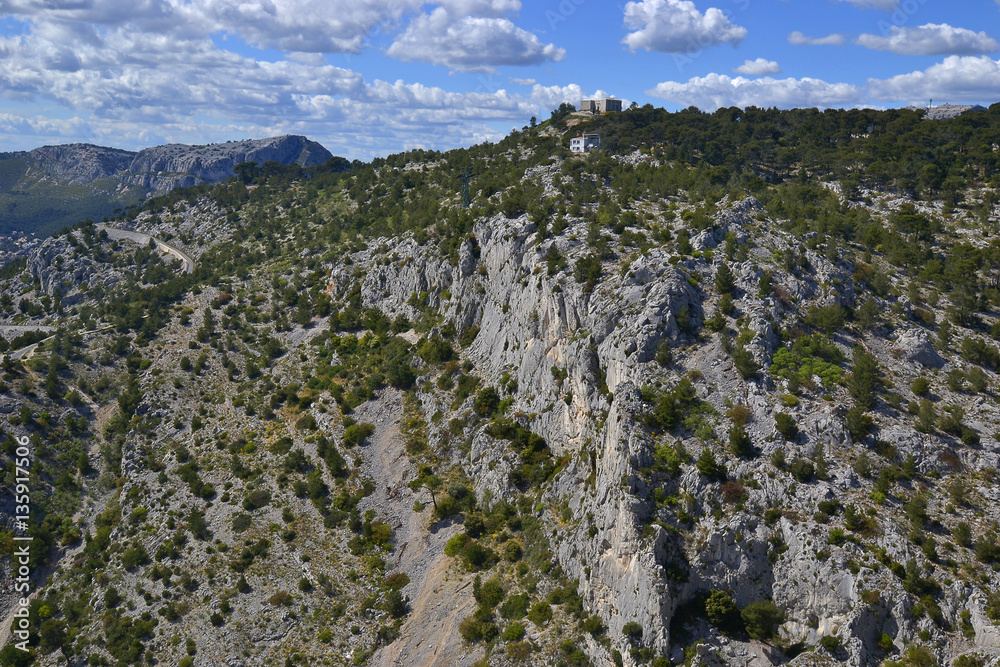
(892, 149)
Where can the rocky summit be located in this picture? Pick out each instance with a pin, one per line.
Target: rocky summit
(46, 188)
(723, 392)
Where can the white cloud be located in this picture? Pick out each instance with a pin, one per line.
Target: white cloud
(759, 67)
(129, 88)
(331, 26)
(676, 26)
(470, 44)
(522, 82)
(550, 97)
(956, 79)
(796, 38)
(155, 71)
(45, 129)
(480, 7)
(884, 5)
(930, 40)
(301, 25)
(718, 90)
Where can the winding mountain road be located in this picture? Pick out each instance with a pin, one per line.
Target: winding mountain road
(28, 350)
(144, 239)
(141, 238)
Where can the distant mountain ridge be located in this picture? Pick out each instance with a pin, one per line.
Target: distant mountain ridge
(172, 165)
(42, 190)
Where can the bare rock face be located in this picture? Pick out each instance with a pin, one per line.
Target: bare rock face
(59, 269)
(916, 346)
(578, 357)
(81, 163)
(173, 165)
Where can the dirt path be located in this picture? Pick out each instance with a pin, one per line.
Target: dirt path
(440, 595)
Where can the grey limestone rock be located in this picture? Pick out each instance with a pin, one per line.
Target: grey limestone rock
(916, 346)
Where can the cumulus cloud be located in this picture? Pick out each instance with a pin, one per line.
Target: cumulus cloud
(550, 97)
(676, 26)
(759, 67)
(331, 26)
(470, 44)
(956, 79)
(132, 89)
(718, 90)
(796, 38)
(931, 39)
(43, 128)
(155, 71)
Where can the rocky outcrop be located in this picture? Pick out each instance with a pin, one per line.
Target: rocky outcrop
(62, 266)
(915, 346)
(577, 356)
(165, 167)
(81, 163)
(179, 165)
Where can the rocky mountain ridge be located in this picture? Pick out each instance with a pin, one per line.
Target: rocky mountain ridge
(51, 187)
(614, 413)
(161, 168)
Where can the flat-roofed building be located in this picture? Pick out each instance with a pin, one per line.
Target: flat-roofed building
(586, 143)
(601, 106)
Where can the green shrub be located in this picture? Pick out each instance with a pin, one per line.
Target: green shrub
(828, 319)
(356, 434)
(513, 632)
(740, 443)
(920, 386)
(831, 643)
(807, 357)
(632, 630)
(722, 612)
(515, 606)
(241, 522)
(593, 625)
(993, 606)
(664, 353)
(588, 271)
(489, 593)
(725, 282)
(486, 401)
(745, 364)
(785, 423)
(512, 551)
(802, 469)
(256, 499)
(709, 467)
(761, 619)
(540, 614)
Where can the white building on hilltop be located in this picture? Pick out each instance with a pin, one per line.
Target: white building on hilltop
(586, 143)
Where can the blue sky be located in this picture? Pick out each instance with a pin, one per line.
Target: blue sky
(372, 77)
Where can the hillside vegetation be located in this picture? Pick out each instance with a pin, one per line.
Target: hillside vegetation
(725, 391)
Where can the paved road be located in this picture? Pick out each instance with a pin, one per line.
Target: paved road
(113, 232)
(144, 239)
